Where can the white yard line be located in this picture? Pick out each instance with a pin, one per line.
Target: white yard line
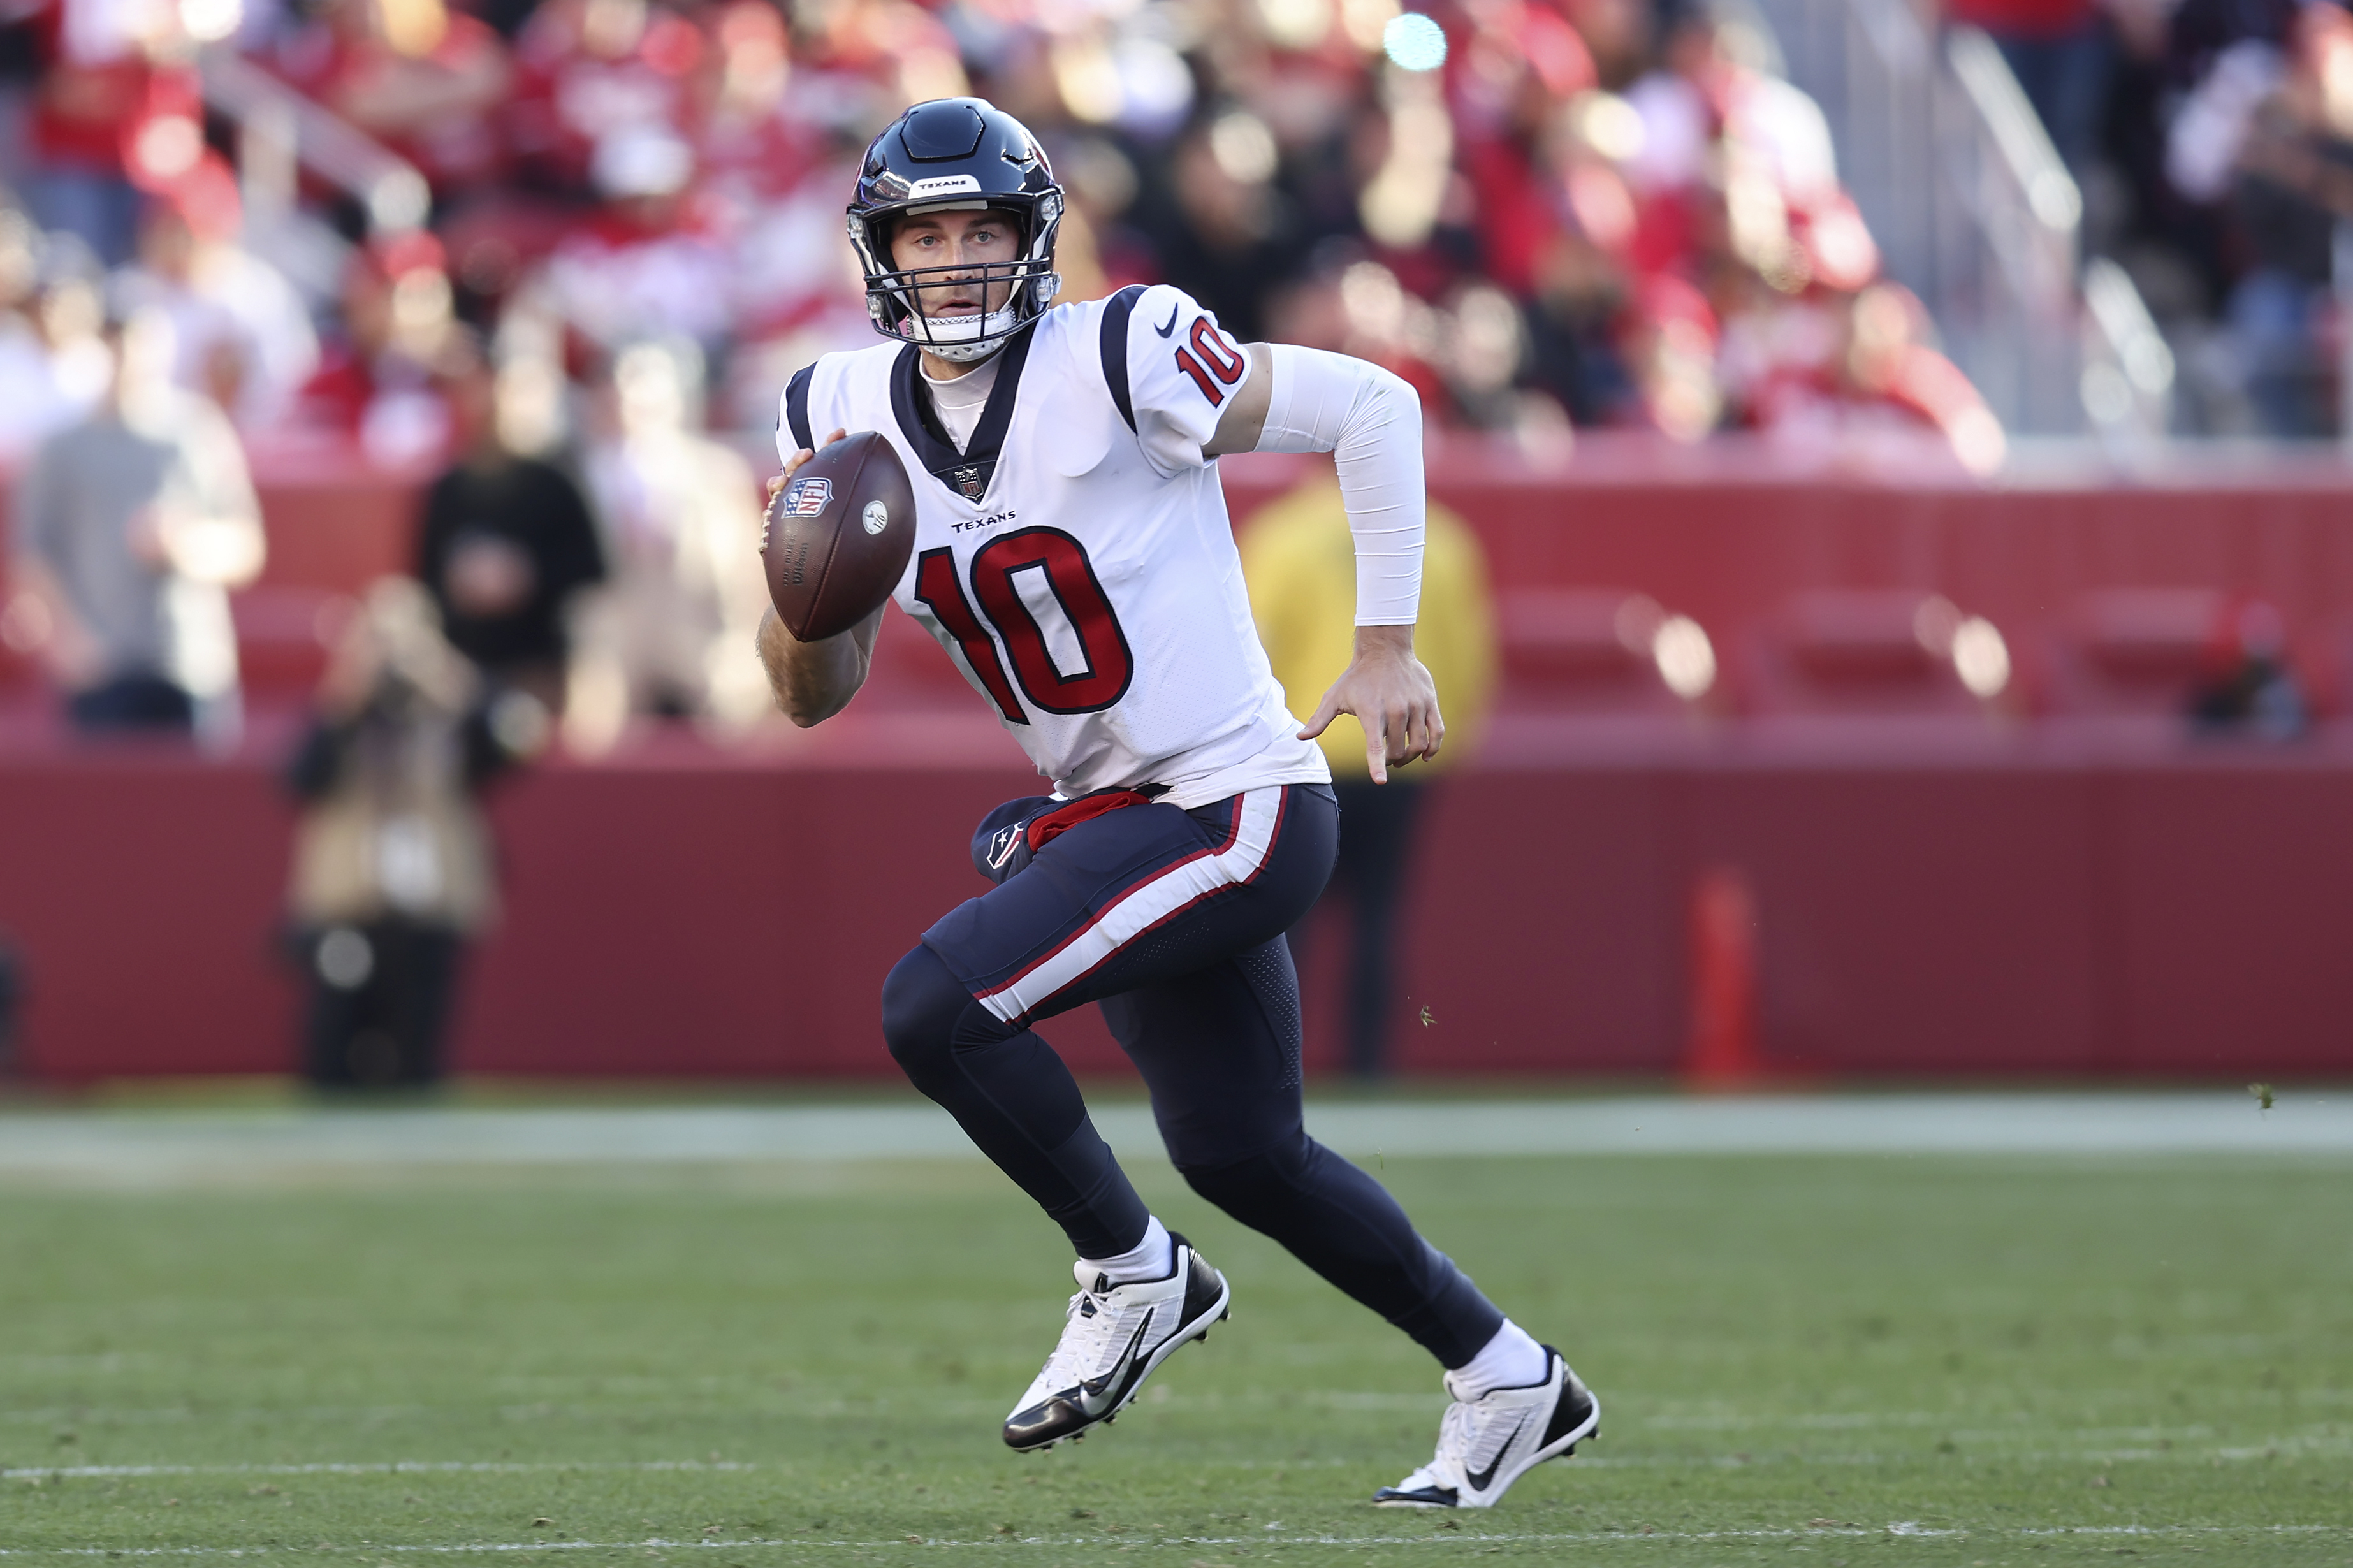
(147, 1148)
(388, 1468)
(1274, 1536)
(1976, 1447)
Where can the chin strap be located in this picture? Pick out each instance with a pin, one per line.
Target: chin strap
(961, 353)
(994, 329)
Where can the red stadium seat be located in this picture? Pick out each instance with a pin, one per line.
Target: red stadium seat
(2127, 659)
(1864, 653)
(1585, 649)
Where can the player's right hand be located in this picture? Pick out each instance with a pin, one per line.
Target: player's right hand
(793, 463)
(1392, 696)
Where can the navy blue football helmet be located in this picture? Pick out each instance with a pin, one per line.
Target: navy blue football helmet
(954, 153)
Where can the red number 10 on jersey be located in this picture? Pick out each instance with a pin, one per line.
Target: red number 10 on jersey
(1069, 579)
(1224, 360)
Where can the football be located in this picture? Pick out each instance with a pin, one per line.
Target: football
(838, 535)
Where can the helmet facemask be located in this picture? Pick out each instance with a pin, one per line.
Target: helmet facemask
(894, 294)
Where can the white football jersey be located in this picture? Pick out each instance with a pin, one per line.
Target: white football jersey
(1075, 559)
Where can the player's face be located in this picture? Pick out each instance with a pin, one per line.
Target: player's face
(962, 240)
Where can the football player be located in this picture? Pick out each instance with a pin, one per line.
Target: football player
(1073, 557)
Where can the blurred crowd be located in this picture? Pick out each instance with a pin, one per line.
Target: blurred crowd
(1547, 213)
(2213, 140)
(625, 233)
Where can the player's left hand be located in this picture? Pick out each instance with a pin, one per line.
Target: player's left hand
(793, 463)
(1392, 697)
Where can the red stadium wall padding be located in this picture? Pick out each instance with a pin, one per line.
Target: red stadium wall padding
(688, 915)
(1954, 910)
(142, 890)
(1543, 934)
(2232, 907)
(2045, 888)
(733, 920)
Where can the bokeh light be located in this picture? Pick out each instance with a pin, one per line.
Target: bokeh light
(1415, 42)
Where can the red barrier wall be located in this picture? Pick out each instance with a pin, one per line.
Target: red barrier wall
(686, 914)
(1939, 889)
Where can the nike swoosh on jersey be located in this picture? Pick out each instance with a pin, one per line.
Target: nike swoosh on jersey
(1096, 1393)
(1172, 312)
(1479, 1478)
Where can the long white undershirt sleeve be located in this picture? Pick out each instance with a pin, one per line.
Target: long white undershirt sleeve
(1370, 421)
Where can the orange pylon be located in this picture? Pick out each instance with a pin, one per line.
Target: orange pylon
(1725, 1051)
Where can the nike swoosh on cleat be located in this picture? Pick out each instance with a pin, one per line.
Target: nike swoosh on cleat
(1092, 1392)
(1479, 1478)
(1172, 312)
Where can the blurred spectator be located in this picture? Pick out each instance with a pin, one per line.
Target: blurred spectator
(2248, 688)
(1505, 86)
(1222, 232)
(505, 541)
(374, 384)
(590, 70)
(1855, 368)
(666, 635)
(647, 264)
(2275, 137)
(1669, 343)
(1609, 233)
(754, 144)
(1743, 240)
(131, 525)
(115, 112)
(422, 79)
(392, 871)
(245, 338)
(56, 367)
(1539, 211)
(39, 391)
(2062, 54)
(1301, 565)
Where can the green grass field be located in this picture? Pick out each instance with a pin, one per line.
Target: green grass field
(1845, 1360)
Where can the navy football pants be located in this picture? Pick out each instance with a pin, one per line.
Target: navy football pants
(1173, 921)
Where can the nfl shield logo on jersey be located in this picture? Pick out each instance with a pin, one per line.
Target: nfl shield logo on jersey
(806, 498)
(970, 482)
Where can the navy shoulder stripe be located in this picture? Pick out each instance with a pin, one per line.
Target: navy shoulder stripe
(796, 409)
(1116, 309)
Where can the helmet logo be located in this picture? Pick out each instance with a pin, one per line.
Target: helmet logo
(945, 185)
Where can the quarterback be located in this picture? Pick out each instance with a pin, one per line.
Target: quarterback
(1073, 556)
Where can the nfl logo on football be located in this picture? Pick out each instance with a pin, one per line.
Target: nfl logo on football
(807, 498)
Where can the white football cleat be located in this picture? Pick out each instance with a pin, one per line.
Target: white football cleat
(1117, 1335)
(1485, 1445)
